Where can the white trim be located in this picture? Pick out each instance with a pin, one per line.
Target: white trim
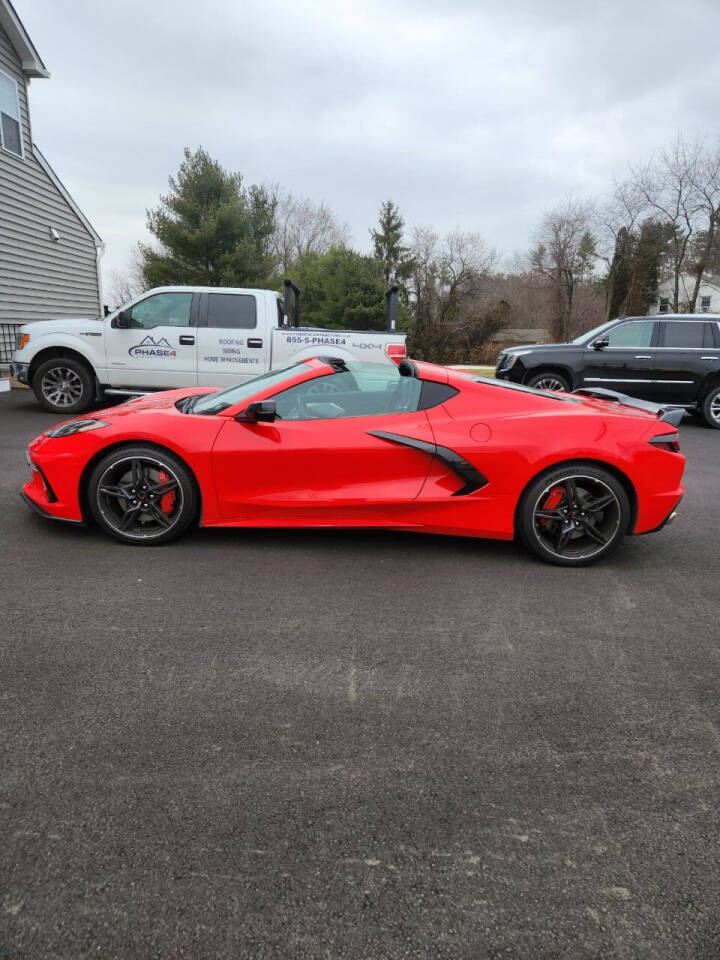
(63, 191)
(18, 120)
(23, 46)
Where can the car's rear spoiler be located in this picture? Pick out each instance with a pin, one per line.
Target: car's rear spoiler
(665, 412)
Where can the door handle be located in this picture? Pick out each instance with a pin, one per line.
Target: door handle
(254, 342)
(643, 356)
(710, 358)
(187, 341)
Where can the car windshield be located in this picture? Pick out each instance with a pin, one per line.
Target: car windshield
(215, 402)
(591, 334)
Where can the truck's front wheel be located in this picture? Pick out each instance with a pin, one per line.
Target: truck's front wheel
(63, 385)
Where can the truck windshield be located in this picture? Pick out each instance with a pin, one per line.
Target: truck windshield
(215, 402)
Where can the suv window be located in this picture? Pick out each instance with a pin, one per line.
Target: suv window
(636, 333)
(163, 310)
(232, 310)
(369, 390)
(688, 333)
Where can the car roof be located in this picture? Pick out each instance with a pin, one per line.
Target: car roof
(676, 316)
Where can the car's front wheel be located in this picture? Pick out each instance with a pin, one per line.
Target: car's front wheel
(142, 495)
(573, 515)
(549, 380)
(63, 385)
(710, 408)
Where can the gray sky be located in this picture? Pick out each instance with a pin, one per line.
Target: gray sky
(465, 113)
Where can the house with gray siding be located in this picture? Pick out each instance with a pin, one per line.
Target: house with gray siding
(49, 252)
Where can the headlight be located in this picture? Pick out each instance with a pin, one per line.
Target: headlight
(512, 357)
(21, 340)
(76, 426)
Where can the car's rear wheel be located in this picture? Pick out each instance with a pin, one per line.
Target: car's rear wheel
(711, 408)
(142, 495)
(63, 385)
(573, 515)
(549, 380)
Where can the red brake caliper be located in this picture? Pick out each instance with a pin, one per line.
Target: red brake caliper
(168, 500)
(551, 501)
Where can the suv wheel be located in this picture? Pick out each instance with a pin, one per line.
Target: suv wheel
(549, 381)
(710, 408)
(63, 385)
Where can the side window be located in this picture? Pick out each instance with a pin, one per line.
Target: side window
(688, 333)
(163, 310)
(350, 394)
(636, 333)
(10, 133)
(232, 310)
(433, 394)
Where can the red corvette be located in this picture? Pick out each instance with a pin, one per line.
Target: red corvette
(342, 444)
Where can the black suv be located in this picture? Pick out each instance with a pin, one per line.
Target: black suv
(671, 358)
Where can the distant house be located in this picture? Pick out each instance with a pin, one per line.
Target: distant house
(49, 252)
(708, 300)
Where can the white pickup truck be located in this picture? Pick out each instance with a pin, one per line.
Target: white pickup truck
(182, 336)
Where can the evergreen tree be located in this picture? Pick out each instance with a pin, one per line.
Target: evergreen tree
(397, 264)
(341, 289)
(212, 230)
(619, 275)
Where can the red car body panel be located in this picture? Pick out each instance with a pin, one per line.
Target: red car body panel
(341, 473)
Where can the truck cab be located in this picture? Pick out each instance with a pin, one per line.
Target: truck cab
(182, 336)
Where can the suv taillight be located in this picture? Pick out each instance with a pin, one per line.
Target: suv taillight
(666, 441)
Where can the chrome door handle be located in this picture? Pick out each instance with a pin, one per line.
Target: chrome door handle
(710, 358)
(187, 341)
(643, 356)
(254, 342)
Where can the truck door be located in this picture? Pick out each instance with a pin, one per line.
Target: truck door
(233, 338)
(158, 350)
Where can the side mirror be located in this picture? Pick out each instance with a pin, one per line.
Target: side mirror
(601, 343)
(123, 320)
(262, 411)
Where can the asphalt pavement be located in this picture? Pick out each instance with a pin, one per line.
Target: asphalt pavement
(356, 745)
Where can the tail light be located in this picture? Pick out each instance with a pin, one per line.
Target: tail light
(395, 352)
(666, 441)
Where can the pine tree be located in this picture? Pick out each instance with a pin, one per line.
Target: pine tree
(212, 231)
(388, 247)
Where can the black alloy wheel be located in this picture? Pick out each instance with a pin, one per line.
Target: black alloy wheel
(142, 495)
(63, 385)
(549, 381)
(574, 515)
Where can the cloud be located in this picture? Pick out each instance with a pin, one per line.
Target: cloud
(469, 113)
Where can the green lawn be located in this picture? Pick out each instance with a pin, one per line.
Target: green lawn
(480, 371)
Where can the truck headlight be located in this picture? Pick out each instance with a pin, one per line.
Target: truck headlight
(76, 426)
(21, 340)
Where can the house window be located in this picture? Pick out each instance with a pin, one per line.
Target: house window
(10, 134)
(664, 305)
(705, 304)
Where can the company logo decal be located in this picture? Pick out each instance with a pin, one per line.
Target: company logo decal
(150, 347)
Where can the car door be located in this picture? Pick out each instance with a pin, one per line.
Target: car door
(322, 459)
(232, 345)
(687, 352)
(626, 361)
(158, 349)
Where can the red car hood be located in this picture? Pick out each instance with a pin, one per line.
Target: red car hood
(154, 401)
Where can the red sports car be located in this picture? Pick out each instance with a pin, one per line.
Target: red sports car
(329, 443)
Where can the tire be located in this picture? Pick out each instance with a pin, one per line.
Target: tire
(549, 380)
(710, 408)
(64, 385)
(572, 500)
(142, 495)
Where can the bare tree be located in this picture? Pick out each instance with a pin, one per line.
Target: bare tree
(302, 227)
(668, 187)
(706, 183)
(124, 285)
(564, 255)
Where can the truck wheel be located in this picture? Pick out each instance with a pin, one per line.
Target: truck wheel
(63, 385)
(548, 381)
(711, 408)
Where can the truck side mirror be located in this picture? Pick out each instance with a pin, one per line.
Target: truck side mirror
(123, 321)
(601, 343)
(262, 411)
